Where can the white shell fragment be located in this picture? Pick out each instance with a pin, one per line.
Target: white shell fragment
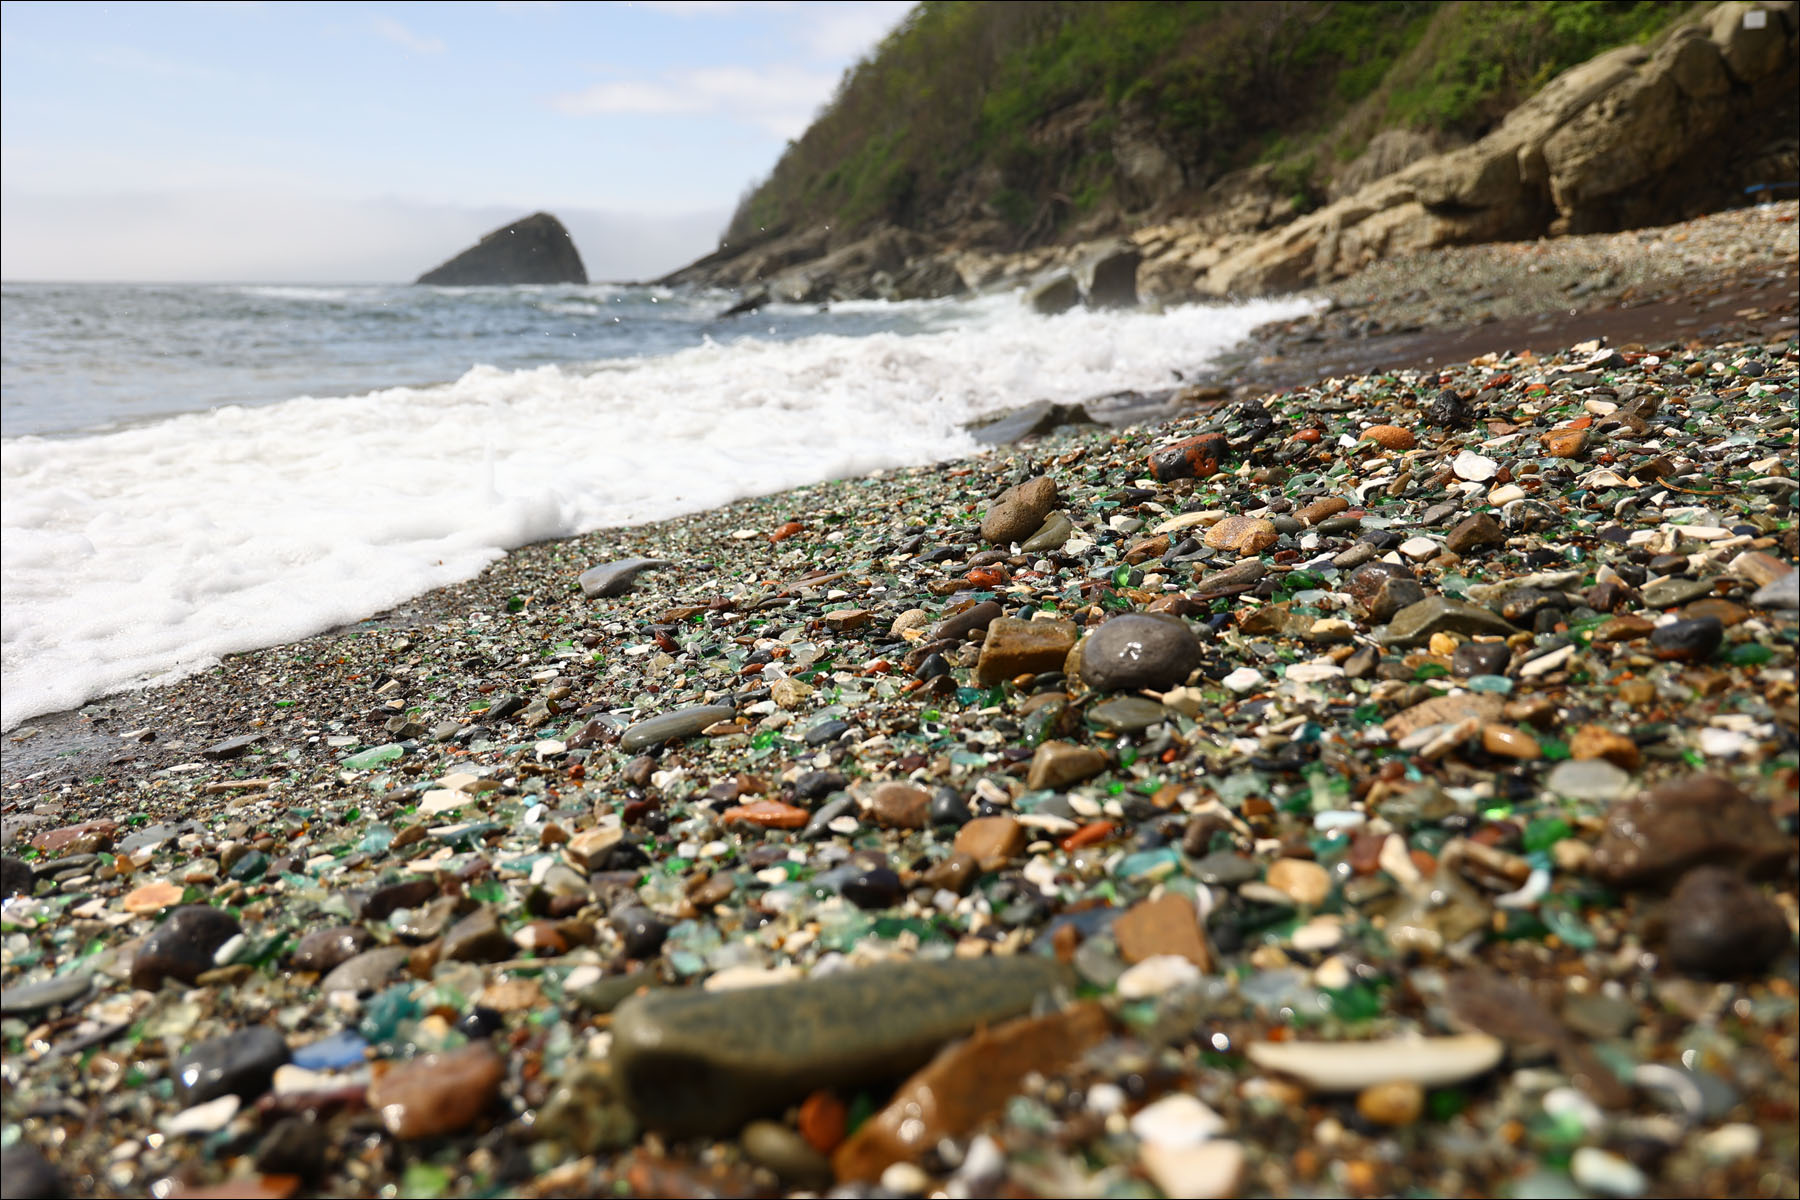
(1353, 1066)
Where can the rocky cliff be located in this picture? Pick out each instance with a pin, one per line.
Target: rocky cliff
(534, 249)
(1643, 133)
(1634, 137)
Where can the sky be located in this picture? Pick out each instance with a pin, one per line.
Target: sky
(347, 143)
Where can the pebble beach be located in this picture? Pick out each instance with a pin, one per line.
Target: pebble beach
(1373, 781)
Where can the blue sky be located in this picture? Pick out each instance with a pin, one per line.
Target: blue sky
(351, 142)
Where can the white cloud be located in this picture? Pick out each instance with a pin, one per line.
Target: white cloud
(780, 99)
(401, 36)
(850, 31)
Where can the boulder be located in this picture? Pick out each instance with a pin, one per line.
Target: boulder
(1628, 138)
(928, 279)
(1109, 280)
(1056, 294)
(534, 249)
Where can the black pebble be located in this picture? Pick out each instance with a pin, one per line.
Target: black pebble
(16, 877)
(480, 1022)
(1695, 639)
(241, 1063)
(877, 888)
(948, 808)
(642, 930)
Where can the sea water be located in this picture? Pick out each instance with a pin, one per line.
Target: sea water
(192, 471)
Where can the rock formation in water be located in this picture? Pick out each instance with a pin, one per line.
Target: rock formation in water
(534, 249)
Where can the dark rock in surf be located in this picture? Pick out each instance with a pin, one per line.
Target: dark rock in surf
(534, 249)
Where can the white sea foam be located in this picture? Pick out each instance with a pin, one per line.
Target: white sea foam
(147, 553)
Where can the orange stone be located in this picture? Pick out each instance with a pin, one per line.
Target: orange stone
(1390, 437)
(786, 531)
(1087, 835)
(823, 1121)
(1565, 443)
(769, 814)
(152, 897)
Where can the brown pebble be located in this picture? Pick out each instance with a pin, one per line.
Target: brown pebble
(1245, 535)
(1019, 512)
(323, 949)
(1321, 509)
(1056, 765)
(1474, 532)
(1390, 437)
(1169, 924)
(1504, 741)
(1014, 647)
(1703, 819)
(1148, 549)
(437, 1093)
(1597, 741)
(1565, 443)
(956, 873)
(969, 1081)
(900, 806)
(991, 842)
(1307, 883)
(89, 837)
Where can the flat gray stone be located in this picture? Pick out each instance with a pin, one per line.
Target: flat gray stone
(1779, 593)
(673, 726)
(692, 1062)
(1028, 421)
(614, 578)
(1128, 714)
(232, 747)
(1414, 624)
(369, 971)
(1056, 530)
(1673, 590)
(20, 998)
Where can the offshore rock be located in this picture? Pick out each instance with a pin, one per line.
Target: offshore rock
(534, 249)
(692, 1062)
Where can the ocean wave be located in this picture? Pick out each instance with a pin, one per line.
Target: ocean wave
(153, 550)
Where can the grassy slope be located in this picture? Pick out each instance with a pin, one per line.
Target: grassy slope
(1017, 103)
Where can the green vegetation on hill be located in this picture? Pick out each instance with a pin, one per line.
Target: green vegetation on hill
(1018, 113)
